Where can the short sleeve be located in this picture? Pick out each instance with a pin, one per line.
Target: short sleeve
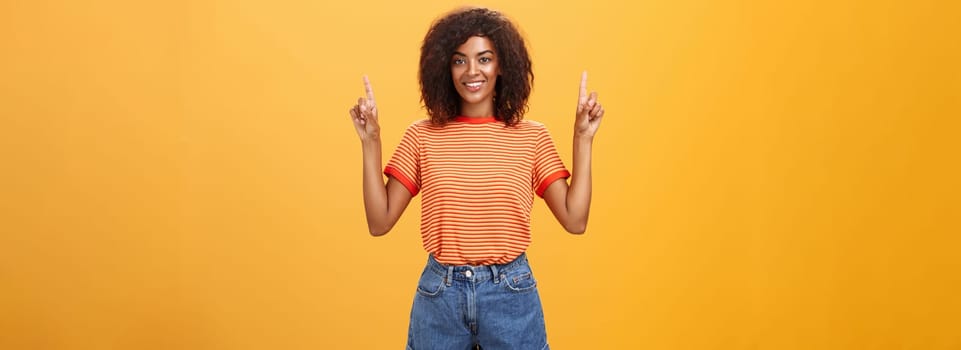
(404, 165)
(548, 166)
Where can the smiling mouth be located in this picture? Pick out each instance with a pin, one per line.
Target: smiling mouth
(474, 86)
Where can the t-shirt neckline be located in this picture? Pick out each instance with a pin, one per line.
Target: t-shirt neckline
(475, 120)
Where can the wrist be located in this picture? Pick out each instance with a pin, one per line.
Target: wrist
(580, 138)
(370, 142)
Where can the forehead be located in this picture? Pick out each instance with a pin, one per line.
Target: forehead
(475, 45)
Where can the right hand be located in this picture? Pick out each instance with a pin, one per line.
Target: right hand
(589, 111)
(364, 115)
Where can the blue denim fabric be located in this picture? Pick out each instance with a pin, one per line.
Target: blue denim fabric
(494, 306)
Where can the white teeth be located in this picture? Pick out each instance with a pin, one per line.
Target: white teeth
(474, 84)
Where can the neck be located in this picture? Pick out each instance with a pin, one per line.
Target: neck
(475, 110)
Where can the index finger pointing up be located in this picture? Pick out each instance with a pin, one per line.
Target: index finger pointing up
(583, 92)
(370, 90)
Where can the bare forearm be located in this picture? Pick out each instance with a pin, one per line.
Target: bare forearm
(579, 192)
(375, 193)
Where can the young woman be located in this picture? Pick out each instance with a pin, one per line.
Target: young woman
(478, 166)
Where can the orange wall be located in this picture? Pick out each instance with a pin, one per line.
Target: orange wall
(769, 175)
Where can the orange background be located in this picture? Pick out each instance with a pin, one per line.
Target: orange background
(769, 175)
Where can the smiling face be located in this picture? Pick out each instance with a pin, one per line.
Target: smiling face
(474, 70)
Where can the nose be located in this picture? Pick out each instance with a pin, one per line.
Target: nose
(472, 68)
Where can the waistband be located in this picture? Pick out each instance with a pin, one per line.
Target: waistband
(475, 273)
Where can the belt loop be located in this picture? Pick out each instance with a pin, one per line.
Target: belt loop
(450, 275)
(497, 278)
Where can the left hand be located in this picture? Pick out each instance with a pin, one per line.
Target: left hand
(589, 111)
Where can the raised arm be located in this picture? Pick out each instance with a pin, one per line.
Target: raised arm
(571, 204)
(383, 204)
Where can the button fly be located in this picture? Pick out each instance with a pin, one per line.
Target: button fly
(468, 273)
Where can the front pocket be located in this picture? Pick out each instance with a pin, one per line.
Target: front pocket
(430, 283)
(521, 280)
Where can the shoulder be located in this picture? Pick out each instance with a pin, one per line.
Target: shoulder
(418, 126)
(530, 125)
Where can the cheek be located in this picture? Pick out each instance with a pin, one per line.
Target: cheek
(494, 73)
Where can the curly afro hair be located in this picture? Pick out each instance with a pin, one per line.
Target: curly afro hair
(513, 86)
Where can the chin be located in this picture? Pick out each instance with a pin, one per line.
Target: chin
(476, 98)
(472, 100)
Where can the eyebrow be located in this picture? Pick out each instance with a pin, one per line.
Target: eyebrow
(480, 53)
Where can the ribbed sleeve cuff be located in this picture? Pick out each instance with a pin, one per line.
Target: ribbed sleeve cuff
(404, 180)
(560, 174)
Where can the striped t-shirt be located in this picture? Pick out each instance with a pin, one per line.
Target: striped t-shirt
(478, 178)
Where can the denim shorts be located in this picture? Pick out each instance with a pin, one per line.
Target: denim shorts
(460, 307)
